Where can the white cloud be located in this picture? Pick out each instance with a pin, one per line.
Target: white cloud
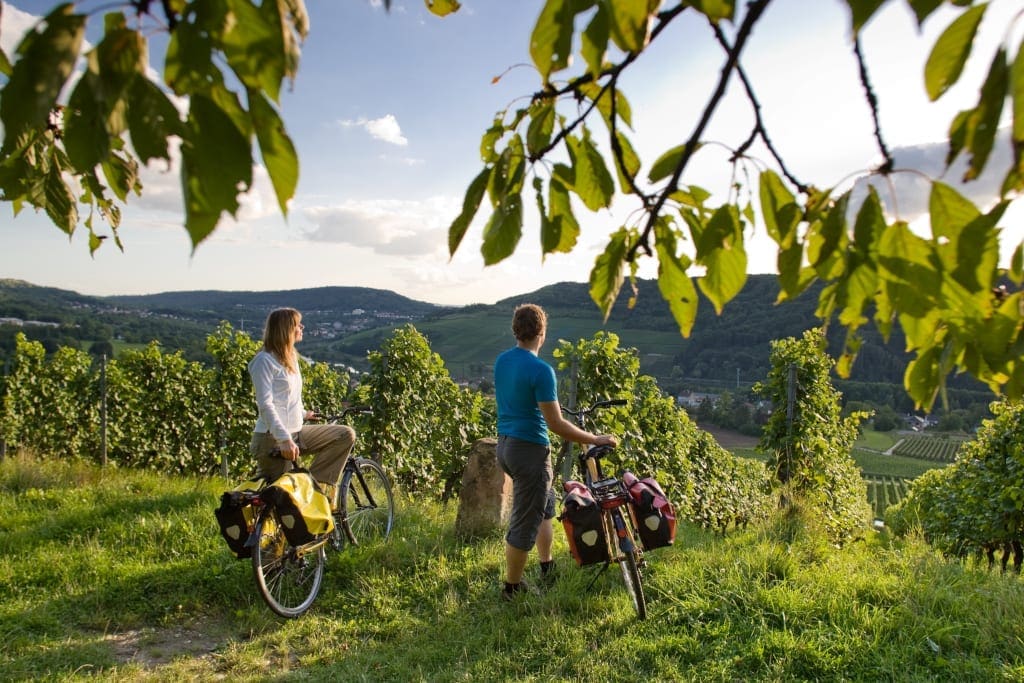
(385, 129)
(905, 193)
(389, 227)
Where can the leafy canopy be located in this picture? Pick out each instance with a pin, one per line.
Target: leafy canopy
(945, 290)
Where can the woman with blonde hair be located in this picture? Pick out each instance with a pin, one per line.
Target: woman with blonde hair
(280, 434)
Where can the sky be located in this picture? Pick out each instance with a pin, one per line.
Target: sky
(389, 107)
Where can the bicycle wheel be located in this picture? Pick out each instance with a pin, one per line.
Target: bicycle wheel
(629, 564)
(288, 579)
(365, 506)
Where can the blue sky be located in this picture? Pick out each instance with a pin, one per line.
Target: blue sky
(387, 114)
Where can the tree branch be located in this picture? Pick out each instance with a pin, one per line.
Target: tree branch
(759, 128)
(754, 10)
(869, 93)
(573, 85)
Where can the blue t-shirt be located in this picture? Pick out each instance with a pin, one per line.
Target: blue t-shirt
(521, 381)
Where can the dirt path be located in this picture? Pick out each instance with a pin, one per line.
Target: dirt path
(729, 439)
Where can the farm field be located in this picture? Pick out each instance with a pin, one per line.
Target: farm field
(887, 476)
(941, 448)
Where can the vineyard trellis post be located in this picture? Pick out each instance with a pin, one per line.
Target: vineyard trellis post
(7, 373)
(790, 411)
(103, 410)
(565, 462)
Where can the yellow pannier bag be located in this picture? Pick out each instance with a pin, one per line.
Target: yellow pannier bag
(302, 507)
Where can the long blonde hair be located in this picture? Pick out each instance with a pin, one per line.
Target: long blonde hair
(279, 335)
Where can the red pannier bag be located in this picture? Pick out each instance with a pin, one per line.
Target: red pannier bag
(581, 519)
(655, 517)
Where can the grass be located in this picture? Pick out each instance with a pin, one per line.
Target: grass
(870, 440)
(122, 576)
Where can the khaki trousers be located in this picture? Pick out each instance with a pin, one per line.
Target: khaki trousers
(330, 446)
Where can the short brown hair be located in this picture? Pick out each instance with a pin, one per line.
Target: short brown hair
(529, 321)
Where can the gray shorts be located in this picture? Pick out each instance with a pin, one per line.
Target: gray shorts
(533, 499)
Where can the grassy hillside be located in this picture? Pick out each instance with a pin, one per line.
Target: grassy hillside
(121, 576)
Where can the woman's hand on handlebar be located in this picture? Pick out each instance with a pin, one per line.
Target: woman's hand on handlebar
(606, 440)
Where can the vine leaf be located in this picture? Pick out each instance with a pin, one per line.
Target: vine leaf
(949, 54)
(608, 273)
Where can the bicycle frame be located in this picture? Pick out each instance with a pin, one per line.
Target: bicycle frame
(619, 529)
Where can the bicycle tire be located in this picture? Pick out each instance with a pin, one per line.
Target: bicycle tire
(287, 579)
(366, 506)
(629, 564)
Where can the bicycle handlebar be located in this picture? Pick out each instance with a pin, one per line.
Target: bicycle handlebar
(599, 404)
(362, 410)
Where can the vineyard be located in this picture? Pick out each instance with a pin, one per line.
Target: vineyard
(936, 449)
(884, 490)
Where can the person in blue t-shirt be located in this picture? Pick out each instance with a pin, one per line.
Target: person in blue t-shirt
(525, 389)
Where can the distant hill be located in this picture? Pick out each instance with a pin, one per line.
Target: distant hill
(318, 303)
(343, 323)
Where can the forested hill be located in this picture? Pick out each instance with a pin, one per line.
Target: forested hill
(343, 323)
(316, 303)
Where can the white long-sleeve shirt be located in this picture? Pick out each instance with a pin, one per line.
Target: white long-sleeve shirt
(278, 396)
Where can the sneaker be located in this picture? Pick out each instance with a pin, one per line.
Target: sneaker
(548, 575)
(516, 591)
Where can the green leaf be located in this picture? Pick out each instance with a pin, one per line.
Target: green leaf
(6, 68)
(949, 212)
(666, 164)
(253, 42)
(923, 376)
(977, 249)
(949, 54)
(715, 10)
(216, 167)
(628, 166)
(923, 8)
(862, 11)
(85, 135)
(276, 148)
(490, 138)
(975, 129)
(122, 175)
(507, 177)
(503, 231)
(781, 212)
(442, 8)
(59, 203)
(825, 242)
(46, 61)
(593, 182)
(1016, 88)
(608, 273)
(560, 230)
(1016, 271)
(542, 124)
(602, 98)
(470, 205)
(720, 249)
(675, 285)
(188, 65)
(551, 40)
(152, 119)
(595, 40)
(630, 24)
(905, 265)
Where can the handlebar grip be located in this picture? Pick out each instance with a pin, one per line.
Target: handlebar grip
(612, 402)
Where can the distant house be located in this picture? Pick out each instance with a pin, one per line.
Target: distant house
(693, 399)
(919, 423)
